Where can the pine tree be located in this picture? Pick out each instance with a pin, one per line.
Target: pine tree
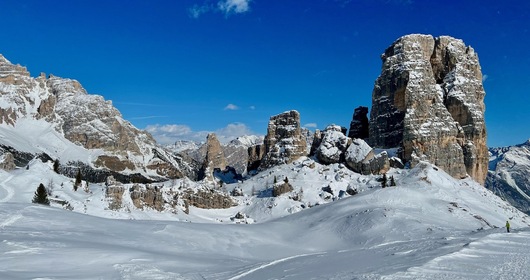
(78, 179)
(384, 181)
(41, 196)
(56, 166)
(392, 181)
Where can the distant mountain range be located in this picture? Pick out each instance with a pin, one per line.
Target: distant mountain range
(509, 174)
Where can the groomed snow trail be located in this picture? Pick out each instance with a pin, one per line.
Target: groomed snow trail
(496, 256)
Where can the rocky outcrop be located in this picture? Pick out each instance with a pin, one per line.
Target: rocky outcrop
(147, 196)
(333, 145)
(207, 199)
(284, 142)
(7, 161)
(114, 195)
(281, 188)
(255, 154)
(359, 126)
(317, 140)
(214, 158)
(429, 102)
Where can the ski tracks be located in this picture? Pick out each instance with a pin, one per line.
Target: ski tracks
(239, 276)
(9, 190)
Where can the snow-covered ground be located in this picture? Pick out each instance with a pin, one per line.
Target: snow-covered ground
(430, 226)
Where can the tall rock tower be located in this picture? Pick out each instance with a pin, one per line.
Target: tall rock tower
(429, 103)
(284, 141)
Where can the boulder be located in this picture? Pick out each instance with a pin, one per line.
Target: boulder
(361, 158)
(333, 145)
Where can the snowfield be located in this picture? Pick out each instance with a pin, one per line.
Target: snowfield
(430, 226)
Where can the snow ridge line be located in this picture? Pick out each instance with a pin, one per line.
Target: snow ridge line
(271, 264)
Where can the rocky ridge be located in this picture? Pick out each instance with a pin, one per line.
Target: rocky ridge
(83, 119)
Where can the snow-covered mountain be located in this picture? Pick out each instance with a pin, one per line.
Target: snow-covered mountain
(320, 230)
(56, 117)
(508, 176)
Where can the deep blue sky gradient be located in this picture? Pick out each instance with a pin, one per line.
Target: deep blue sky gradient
(160, 65)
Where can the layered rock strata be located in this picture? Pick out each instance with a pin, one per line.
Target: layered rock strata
(429, 102)
(284, 141)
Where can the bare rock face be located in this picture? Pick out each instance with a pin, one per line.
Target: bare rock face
(84, 119)
(333, 145)
(147, 196)
(284, 141)
(359, 126)
(7, 161)
(429, 102)
(255, 154)
(215, 157)
(207, 199)
(114, 195)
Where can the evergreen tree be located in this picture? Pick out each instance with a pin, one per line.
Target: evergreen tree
(384, 181)
(41, 196)
(56, 166)
(392, 181)
(78, 179)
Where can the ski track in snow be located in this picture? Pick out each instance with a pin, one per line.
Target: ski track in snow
(239, 276)
(496, 256)
(9, 190)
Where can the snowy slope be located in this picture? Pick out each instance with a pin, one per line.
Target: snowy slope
(508, 174)
(401, 232)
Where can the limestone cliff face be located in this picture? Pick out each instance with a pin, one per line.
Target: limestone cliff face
(84, 119)
(215, 158)
(429, 102)
(284, 141)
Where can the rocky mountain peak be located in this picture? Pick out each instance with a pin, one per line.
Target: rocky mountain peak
(284, 141)
(429, 102)
(84, 119)
(215, 157)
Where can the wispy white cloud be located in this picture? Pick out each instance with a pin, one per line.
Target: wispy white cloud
(231, 107)
(197, 10)
(233, 6)
(484, 77)
(227, 7)
(310, 125)
(252, 107)
(170, 133)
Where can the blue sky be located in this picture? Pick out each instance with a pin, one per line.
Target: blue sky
(182, 68)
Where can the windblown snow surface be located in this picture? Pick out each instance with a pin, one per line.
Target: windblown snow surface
(430, 226)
